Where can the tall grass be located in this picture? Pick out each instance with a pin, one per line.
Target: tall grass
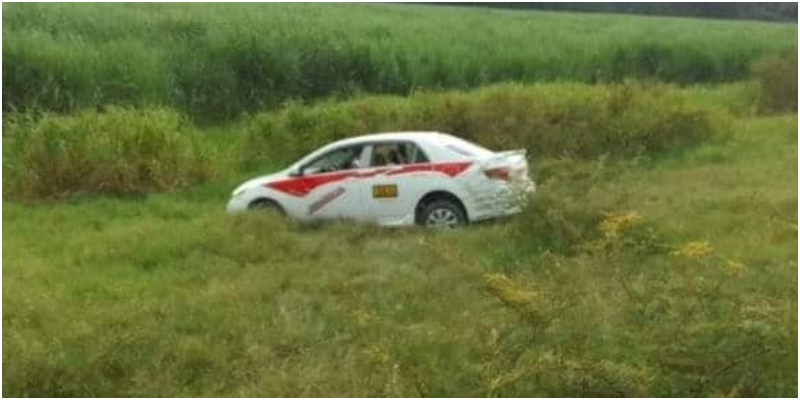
(549, 120)
(215, 62)
(121, 151)
(776, 77)
(115, 152)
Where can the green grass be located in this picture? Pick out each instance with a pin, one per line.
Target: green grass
(168, 296)
(215, 62)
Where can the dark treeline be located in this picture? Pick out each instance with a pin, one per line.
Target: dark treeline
(756, 11)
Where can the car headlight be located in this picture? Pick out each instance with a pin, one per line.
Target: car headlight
(239, 192)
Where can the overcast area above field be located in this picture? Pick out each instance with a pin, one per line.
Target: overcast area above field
(657, 258)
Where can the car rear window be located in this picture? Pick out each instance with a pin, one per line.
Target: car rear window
(459, 150)
(466, 149)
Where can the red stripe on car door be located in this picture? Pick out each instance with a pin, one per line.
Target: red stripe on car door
(301, 186)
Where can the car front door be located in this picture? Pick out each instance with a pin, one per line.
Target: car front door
(329, 186)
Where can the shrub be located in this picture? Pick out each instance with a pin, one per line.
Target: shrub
(572, 120)
(117, 152)
(777, 83)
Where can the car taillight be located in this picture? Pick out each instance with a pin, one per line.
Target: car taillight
(502, 173)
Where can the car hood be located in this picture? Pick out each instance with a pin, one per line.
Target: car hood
(260, 181)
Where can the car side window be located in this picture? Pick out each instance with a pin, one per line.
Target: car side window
(341, 159)
(384, 154)
(414, 154)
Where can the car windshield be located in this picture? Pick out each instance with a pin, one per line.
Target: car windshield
(340, 159)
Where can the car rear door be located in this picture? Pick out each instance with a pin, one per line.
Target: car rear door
(393, 184)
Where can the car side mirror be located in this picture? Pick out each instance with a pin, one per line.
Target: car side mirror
(295, 173)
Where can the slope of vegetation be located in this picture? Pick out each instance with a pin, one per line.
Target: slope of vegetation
(216, 61)
(669, 277)
(124, 151)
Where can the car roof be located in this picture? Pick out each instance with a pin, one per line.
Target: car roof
(390, 136)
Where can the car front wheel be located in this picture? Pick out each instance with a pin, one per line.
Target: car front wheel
(443, 214)
(266, 205)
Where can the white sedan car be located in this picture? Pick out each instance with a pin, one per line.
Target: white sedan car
(405, 178)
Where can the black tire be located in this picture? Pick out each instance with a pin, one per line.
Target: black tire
(442, 214)
(266, 205)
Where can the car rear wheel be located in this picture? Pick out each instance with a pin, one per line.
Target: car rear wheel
(443, 214)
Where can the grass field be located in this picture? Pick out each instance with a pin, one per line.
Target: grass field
(658, 257)
(669, 276)
(216, 61)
